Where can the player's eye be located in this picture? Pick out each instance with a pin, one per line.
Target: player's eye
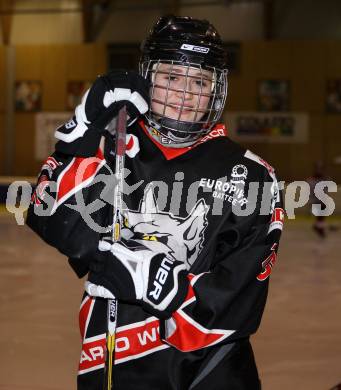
(204, 84)
(200, 83)
(176, 77)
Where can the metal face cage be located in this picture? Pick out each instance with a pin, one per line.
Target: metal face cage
(186, 98)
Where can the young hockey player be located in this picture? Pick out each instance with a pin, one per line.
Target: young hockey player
(202, 220)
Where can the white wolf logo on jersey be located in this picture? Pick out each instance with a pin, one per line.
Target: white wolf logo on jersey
(180, 238)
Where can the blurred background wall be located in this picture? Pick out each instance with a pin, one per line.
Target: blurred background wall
(51, 43)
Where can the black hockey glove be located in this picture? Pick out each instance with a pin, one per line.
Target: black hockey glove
(136, 274)
(80, 136)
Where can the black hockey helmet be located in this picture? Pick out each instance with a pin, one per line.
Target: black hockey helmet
(192, 43)
(184, 39)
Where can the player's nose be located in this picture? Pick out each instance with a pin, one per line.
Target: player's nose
(186, 93)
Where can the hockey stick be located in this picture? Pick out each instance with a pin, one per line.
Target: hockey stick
(116, 236)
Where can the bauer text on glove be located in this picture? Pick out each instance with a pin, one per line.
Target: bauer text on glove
(157, 282)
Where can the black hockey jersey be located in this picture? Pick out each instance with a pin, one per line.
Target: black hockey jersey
(215, 206)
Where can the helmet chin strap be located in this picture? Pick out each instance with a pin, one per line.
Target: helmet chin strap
(167, 135)
(181, 129)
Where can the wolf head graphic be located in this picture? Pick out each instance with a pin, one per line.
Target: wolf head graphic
(163, 232)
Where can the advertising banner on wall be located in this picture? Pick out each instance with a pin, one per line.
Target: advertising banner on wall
(269, 127)
(45, 126)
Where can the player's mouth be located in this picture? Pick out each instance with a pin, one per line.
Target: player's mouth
(182, 109)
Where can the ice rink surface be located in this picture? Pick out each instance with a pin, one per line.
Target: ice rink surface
(298, 345)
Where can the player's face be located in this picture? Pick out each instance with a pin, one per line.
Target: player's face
(181, 92)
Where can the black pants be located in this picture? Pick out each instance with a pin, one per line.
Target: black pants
(237, 368)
